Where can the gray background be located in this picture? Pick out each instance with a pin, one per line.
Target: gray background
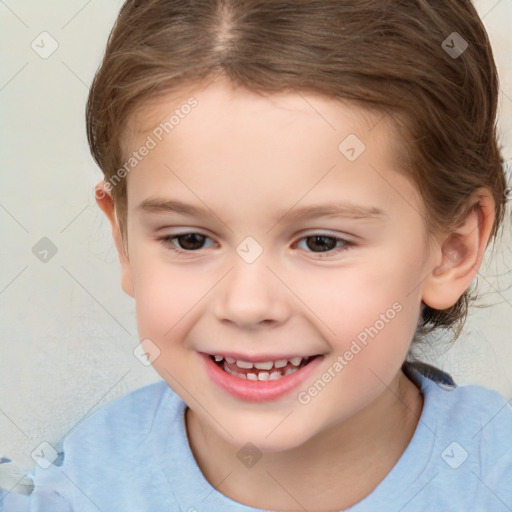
(68, 331)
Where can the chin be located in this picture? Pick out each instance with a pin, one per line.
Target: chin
(268, 437)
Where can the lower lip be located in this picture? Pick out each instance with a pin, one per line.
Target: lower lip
(258, 391)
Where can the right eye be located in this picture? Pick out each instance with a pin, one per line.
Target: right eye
(188, 242)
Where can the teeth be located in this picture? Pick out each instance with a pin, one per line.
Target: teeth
(262, 365)
(266, 365)
(261, 376)
(236, 374)
(244, 364)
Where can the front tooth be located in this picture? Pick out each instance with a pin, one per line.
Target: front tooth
(252, 376)
(244, 364)
(263, 376)
(280, 363)
(230, 360)
(265, 365)
(296, 361)
(275, 376)
(218, 358)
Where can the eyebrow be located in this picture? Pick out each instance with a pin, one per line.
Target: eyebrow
(345, 210)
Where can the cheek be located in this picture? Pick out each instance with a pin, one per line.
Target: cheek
(349, 299)
(367, 313)
(164, 293)
(164, 301)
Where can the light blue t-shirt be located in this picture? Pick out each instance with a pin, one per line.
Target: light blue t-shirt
(133, 455)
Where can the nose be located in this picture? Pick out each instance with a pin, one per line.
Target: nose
(252, 295)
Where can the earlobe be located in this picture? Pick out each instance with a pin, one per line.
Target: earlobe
(459, 256)
(104, 200)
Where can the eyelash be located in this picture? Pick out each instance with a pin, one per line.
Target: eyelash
(166, 241)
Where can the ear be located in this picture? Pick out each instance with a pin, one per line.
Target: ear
(459, 255)
(106, 203)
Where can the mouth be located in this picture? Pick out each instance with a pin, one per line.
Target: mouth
(260, 381)
(262, 371)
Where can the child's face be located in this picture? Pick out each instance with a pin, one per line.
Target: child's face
(252, 164)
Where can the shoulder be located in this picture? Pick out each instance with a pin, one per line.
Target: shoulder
(109, 458)
(467, 430)
(487, 416)
(139, 402)
(472, 404)
(477, 419)
(123, 423)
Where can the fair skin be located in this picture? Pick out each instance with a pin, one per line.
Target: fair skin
(249, 159)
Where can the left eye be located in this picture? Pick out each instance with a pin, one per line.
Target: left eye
(192, 242)
(326, 242)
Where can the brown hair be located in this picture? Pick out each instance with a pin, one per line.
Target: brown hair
(388, 56)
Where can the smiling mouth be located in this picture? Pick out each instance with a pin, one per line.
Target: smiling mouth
(261, 371)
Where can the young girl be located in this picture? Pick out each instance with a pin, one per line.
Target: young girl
(299, 192)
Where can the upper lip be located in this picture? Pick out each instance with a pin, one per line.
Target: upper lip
(258, 358)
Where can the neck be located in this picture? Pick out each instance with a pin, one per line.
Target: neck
(332, 471)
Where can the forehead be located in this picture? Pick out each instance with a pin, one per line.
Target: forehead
(240, 102)
(276, 147)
